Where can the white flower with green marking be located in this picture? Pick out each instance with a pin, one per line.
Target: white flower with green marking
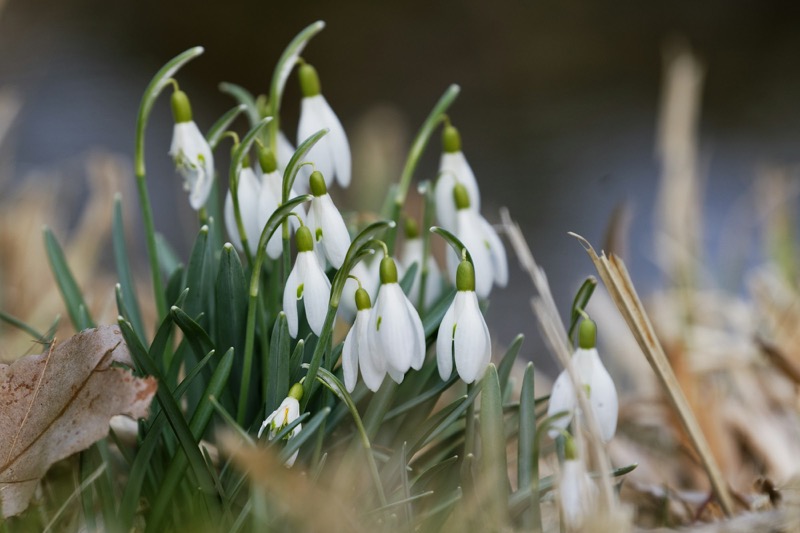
(484, 245)
(356, 352)
(395, 329)
(463, 334)
(269, 200)
(331, 154)
(596, 381)
(285, 414)
(326, 223)
(191, 152)
(306, 282)
(576, 492)
(453, 169)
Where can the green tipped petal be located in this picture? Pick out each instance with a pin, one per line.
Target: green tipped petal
(451, 139)
(362, 299)
(461, 196)
(587, 334)
(181, 108)
(317, 184)
(388, 270)
(305, 241)
(309, 80)
(465, 276)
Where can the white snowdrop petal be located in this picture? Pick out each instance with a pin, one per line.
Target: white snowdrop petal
(338, 145)
(285, 152)
(576, 493)
(392, 328)
(418, 345)
(470, 233)
(471, 340)
(445, 204)
(373, 368)
(334, 232)
(290, 300)
(603, 397)
(317, 292)
(312, 119)
(562, 398)
(444, 344)
(194, 161)
(497, 254)
(230, 222)
(350, 358)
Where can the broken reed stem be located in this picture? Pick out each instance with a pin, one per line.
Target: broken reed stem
(556, 336)
(616, 279)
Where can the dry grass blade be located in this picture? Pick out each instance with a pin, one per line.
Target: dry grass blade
(615, 277)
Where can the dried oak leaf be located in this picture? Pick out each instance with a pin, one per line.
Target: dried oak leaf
(58, 403)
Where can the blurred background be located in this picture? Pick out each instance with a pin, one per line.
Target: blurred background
(558, 109)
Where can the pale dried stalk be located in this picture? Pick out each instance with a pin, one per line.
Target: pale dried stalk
(616, 279)
(556, 336)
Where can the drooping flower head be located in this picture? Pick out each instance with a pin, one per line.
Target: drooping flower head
(463, 332)
(306, 282)
(413, 253)
(285, 414)
(326, 223)
(331, 155)
(485, 247)
(453, 169)
(357, 353)
(270, 198)
(249, 189)
(191, 152)
(594, 378)
(395, 329)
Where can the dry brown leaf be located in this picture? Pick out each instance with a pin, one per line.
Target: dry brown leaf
(59, 403)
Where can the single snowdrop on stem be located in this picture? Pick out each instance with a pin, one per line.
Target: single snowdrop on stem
(453, 169)
(484, 245)
(331, 154)
(249, 189)
(285, 414)
(308, 282)
(326, 223)
(596, 381)
(357, 353)
(190, 151)
(576, 492)
(270, 198)
(463, 332)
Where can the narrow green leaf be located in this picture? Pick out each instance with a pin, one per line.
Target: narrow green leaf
(73, 299)
(433, 392)
(528, 451)
(278, 365)
(245, 99)
(507, 362)
(408, 278)
(579, 303)
(454, 242)
(222, 124)
(494, 469)
(19, 324)
(199, 278)
(123, 262)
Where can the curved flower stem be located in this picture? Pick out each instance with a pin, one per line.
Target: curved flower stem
(420, 142)
(157, 84)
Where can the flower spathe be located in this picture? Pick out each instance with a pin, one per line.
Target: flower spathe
(395, 329)
(597, 382)
(484, 245)
(308, 282)
(463, 333)
(191, 152)
(248, 193)
(356, 352)
(285, 414)
(453, 169)
(326, 223)
(331, 154)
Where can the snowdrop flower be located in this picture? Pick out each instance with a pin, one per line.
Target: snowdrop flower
(309, 282)
(368, 278)
(485, 248)
(453, 168)
(331, 155)
(597, 381)
(285, 414)
(191, 152)
(248, 192)
(576, 490)
(412, 253)
(395, 329)
(357, 353)
(326, 223)
(463, 331)
(269, 199)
